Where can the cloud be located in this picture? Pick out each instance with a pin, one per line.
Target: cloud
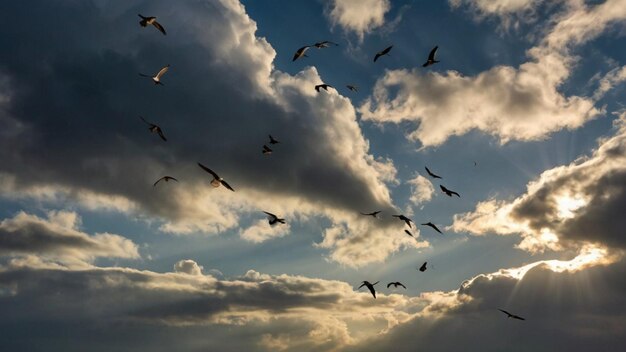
(510, 12)
(261, 231)
(422, 190)
(358, 16)
(188, 266)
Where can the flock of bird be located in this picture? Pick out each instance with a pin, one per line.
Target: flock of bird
(273, 219)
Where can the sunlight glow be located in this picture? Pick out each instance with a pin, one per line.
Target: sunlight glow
(567, 206)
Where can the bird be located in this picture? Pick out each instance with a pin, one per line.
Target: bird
(216, 181)
(145, 21)
(475, 163)
(431, 174)
(273, 219)
(372, 214)
(324, 44)
(404, 218)
(273, 140)
(395, 284)
(381, 53)
(266, 150)
(409, 233)
(154, 128)
(433, 226)
(166, 179)
(431, 58)
(423, 267)
(448, 192)
(353, 88)
(509, 315)
(300, 52)
(370, 287)
(157, 79)
(323, 86)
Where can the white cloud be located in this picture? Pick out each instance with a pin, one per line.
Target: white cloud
(358, 16)
(261, 231)
(422, 190)
(188, 266)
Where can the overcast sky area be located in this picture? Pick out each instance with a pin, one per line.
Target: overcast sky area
(523, 116)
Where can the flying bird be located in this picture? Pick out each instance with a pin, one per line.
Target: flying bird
(372, 214)
(381, 53)
(448, 192)
(166, 179)
(273, 140)
(273, 219)
(323, 86)
(404, 218)
(370, 287)
(145, 21)
(409, 233)
(216, 181)
(154, 128)
(353, 88)
(433, 226)
(300, 52)
(431, 174)
(324, 44)
(395, 284)
(509, 315)
(423, 267)
(266, 150)
(157, 78)
(431, 58)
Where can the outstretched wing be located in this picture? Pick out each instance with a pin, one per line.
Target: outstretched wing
(144, 120)
(431, 56)
(271, 215)
(162, 71)
(377, 56)
(402, 285)
(160, 132)
(159, 27)
(456, 194)
(208, 170)
(389, 284)
(227, 185)
(157, 181)
(408, 233)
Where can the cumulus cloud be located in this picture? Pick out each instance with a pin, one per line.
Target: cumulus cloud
(188, 266)
(358, 16)
(510, 12)
(261, 231)
(422, 190)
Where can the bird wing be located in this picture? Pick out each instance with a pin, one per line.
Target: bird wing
(453, 192)
(266, 148)
(144, 75)
(517, 317)
(157, 181)
(363, 284)
(431, 56)
(377, 56)
(371, 288)
(443, 188)
(435, 227)
(299, 53)
(208, 170)
(160, 132)
(505, 312)
(144, 120)
(159, 27)
(389, 284)
(162, 71)
(401, 285)
(227, 185)
(408, 233)
(271, 215)
(171, 178)
(317, 87)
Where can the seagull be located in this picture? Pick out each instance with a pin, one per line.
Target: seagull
(372, 214)
(157, 79)
(266, 150)
(323, 86)
(273, 140)
(145, 21)
(154, 128)
(370, 287)
(509, 315)
(273, 219)
(404, 218)
(353, 88)
(423, 267)
(433, 226)
(381, 53)
(300, 52)
(324, 44)
(431, 174)
(409, 233)
(431, 58)
(395, 284)
(216, 181)
(448, 192)
(166, 179)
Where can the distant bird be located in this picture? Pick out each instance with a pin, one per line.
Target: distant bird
(431, 174)
(372, 214)
(353, 88)
(423, 267)
(273, 219)
(475, 163)
(324, 44)
(433, 226)
(509, 315)
(216, 181)
(409, 233)
(300, 52)
(166, 179)
(324, 86)
(370, 287)
(431, 58)
(395, 284)
(266, 150)
(448, 192)
(404, 218)
(157, 78)
(273, 140)
(145, 21)
(381, 53)
(154, 128)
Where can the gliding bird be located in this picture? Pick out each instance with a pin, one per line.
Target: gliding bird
(273, 140)
(324, 44)
(431, 174)
(353, 88)
(395, 284)
(433, 226)
(157, 78)
(423, 267)
(324, 86)
(372, 214)
(384, 52)
(154, 128)
(404, 218)
(166, 179)
(216, 181)
(370, 287)
(509, 315)
(300, 52)
(273, 219)
(266, 150)
(431, 58)
(448, 192)
(145, 21)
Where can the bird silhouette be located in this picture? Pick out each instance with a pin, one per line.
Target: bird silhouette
(166, 179)
(395, 284)
(509, 315)
(157, 78)
(216, 181)
(154, 128)
(266, 150)
(324, 44)
(370, 287)
(431, 174)
(323, 86)
(373, 214)
(384, 52)
(433, 226)
(145, 21)
(431, 58)
(273, 140)
(409, 233)
(423, 267)
(273, 219)
(448, 192)
(353, 88)
(301, 52)
(405, 219)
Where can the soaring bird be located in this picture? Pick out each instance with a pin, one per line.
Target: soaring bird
(324, 44)
(154, 128)
(381, 53)
(216, 181)
(404, 218)
(273, 219)
(433, 226)
(166, 179)
(370, 287)
(353, 88)
(372, 214)
(145, 21)
(431, 174)
(409, 233)
(395, 284)
(431, 58)
(423, 267)
(266, 150)
(448, 192)
(273, 140)
(301, 52)
(509, 315)
(324, 86)
(157, 78)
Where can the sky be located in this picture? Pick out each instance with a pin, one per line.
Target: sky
(522, 116)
